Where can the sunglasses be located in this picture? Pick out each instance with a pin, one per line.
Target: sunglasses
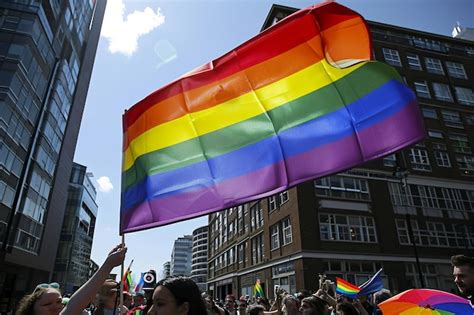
(52, 285)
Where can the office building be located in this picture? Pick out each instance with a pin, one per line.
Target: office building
(199, 258)
(72, 266)
(47, 51)
(181, 256)
(353, 223)
(166, 270)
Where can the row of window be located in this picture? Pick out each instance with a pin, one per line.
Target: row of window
(280, 233)
(350, 228)
(421, 162)
(225, 229)
(342, 187)
(442, 92)
(443, 198)
(436, 234)
(432, 65)
(335, 227)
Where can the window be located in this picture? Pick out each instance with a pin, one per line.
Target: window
(256, 213)
(442, 92)
(469, 119)
(274, 237)
(414, 62)
(272, 204)
(421, 89)
(419, 160)
(434, 66)
(456, 70)
(435, 134)
(465, 162)
(451, 119)
(442, 159)
(257, 249)
(287, 232)
(391, 57)
(342, 187)
(431, 277)
(9, 161)
(429, 112)
(335, 227)
(460, 143)
(6, 194)
(464, 95)
(277, 200)
(390, 160)
(284, 197)
(241, 252)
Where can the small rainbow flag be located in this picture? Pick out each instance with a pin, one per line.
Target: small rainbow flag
(300, 100)
(258, 290)
(127, 280)
(346, 288)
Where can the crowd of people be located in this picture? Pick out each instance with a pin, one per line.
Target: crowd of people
(181, 296)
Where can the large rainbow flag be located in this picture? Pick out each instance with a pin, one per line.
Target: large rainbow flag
(300, 100)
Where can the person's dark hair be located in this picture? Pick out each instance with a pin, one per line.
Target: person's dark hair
(317, 304)
(185, 290)
(255, 309)
(264, 302)
(302, 294)
(26, 304)
(382, 295)
(347, 308)
(462, 260)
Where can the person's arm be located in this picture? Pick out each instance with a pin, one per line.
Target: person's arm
(82, 297)
(359, 307)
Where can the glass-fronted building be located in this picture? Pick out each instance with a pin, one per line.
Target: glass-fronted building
(73, 259)
(47, 51)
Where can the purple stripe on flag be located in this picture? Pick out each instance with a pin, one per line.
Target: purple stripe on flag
(397, 131)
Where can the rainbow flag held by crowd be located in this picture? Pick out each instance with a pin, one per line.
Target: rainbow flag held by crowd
(371, 286)
(258, 290)
(346, 288)
(140, 284)
(127, 278)
(299, 101)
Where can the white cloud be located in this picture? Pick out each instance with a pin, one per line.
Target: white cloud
(105, 185)
(123, 34)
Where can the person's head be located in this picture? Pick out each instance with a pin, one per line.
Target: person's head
(127, 299)
(264, 302)
(290, 304)
(230, 303)
(313, 305)
(256, 309)
(382, 295)
(463, 273)
(138, 299)
(177, 296)
(107, 297)
(43, 301)
(243, 305)
(302, 294)
(346, 308)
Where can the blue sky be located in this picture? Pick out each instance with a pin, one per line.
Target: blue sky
(146, 44)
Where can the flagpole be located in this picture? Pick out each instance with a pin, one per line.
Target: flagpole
(121, 274)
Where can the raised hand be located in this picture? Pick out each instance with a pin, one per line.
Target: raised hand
(116, 255)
